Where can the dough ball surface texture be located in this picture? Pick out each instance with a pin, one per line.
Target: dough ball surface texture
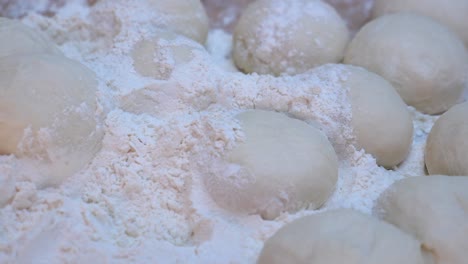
(48, 114)
(157, 57)
(452, 14)
(185, 17)
(381, 121)
(341, 236)
(424, 61)
(17, 39)
(434, 209)
(291, 37)
(284, 164)
(447, 145)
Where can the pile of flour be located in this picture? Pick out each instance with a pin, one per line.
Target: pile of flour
(142, 198)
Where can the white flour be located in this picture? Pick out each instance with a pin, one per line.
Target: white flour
(142, 199)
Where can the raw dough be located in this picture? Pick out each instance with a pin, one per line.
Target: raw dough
(17, 38)
(425, 62)
(432, 208)
(186, 17)
(283, 165)
(341, 236)
(48, 114)
(447, 144)
(452, 14)
(277, 36)
(157, 57)
(381, 121)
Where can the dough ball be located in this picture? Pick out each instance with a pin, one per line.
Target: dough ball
(276, 36)
(48, 114)
(341, 236)
(381, 121)
(185, 17)
(157, 57)
(284, 164)
(452, 14)
(17, 39)
(447, 144)
(425, 62)
(434, 209)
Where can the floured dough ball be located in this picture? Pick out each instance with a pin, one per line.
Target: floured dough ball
(186, 17)
(16, 39)
(434, 209)
(425, 62)
(381, 121)
(157, 57)
(291, 37)
(284, 164)
(48, 114)
(452, 14)
(447, 144)
(341, 236)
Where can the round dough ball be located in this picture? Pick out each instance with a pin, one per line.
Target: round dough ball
(425, 62)
(452, 14)
(381, 121)
(185, 17)
(157, 57)
(434, 209)
(447, 144)
(17, 39)
(341, 236)
(49, 114)
(284, 164)
(276, 36)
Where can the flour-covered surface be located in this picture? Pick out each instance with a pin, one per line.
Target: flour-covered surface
(142, 199)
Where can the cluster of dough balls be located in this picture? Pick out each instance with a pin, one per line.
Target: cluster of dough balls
(426, 62)
(433, 209)
(282, 165)
(49, 111)
(288, 37)
(447, 145)
(184, 17)
(341, 236)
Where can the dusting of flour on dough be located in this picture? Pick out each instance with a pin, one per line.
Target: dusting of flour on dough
(142, 198)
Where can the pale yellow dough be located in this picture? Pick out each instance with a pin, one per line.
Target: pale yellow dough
(288, 37)
(341, 236)
(49, 114)
(447, 145)
(18, 39)
(434, 209)
(425, 62)
(283, 165)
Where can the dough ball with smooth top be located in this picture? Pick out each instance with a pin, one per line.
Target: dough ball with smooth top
(425, 62)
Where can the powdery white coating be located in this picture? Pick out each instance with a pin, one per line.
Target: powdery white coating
(142, 198)
(186, 17)
(288, 37)
(18, 39)
(447, 144)
(424, 61)
(48, 114)
(381, 122)
(341, 236)
(450, 13)
(433, 209)
(157, 57)
(283, 164)
(7, 184)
